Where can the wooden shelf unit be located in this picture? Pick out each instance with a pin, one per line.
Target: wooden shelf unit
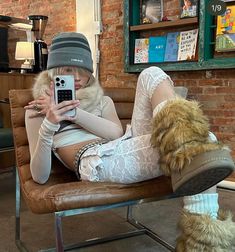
(165, 24)
(206, 56)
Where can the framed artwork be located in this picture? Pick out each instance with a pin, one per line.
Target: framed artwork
(225, 31)
(151, 11)
(188, 8)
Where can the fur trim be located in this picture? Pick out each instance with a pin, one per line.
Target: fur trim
(41, 85)
(89, 96)
(202, 233)
(180, 131)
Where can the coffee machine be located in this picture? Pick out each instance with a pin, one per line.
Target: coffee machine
(39, 23)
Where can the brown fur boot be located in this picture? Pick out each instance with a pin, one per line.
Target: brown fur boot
(201, 233)
(181, 134)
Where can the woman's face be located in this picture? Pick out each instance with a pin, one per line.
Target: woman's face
(81, 77)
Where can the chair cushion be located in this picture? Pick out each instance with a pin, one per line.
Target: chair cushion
(63, 191)
(6, 138)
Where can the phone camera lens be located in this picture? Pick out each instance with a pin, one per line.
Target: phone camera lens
(57, 79)
(57, 84)
(62, 81)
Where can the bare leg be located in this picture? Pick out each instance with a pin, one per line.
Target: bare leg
(164, 91)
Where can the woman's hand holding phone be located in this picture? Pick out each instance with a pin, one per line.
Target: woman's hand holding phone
(62, 107)
(53, 106)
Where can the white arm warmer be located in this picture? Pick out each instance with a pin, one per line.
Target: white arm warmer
(40, 135)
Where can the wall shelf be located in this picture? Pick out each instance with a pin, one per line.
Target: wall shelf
(172, 24)
(206, 57)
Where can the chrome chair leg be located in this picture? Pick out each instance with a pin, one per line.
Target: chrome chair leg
(148, 231)
(18, 241)
(17, 213)
(129, 213)
(58, 232)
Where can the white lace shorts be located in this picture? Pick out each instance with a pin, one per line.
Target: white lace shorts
(130, 158)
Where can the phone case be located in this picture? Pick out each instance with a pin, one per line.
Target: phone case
(65, 90)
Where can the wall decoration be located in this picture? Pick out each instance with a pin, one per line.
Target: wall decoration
(187, 45)
(225, 32)
(141, 50)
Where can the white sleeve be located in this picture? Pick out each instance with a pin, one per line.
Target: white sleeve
(108, 126)
(40, 136)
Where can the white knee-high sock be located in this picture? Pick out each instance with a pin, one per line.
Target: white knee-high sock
(203, 203)
(206, 202)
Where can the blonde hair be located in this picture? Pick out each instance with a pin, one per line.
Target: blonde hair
(60, 71)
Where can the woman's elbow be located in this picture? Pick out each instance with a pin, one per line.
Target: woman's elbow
(116, 134)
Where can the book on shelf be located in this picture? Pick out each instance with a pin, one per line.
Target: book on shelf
(189, 8)
(151, 11)
(157, 46)
(225, 31)
(172, 46)
(187, 45)
(141, 50)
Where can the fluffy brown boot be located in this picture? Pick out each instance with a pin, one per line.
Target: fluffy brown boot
(181, 133)
(201, 233)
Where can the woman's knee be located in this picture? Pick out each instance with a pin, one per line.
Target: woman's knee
(150, 78)
(151, 71)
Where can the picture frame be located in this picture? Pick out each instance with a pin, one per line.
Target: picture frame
(189, 8)
(225, 30)
(151, 11)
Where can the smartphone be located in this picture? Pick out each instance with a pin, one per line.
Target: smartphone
(65, 90)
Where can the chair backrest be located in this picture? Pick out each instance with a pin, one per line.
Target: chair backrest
(18, 99)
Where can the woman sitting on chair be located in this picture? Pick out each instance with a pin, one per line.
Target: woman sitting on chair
(168, 135)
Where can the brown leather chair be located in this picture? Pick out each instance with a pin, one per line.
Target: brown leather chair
(63, 195)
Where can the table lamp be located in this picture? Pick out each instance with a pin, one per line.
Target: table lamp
(25, 51)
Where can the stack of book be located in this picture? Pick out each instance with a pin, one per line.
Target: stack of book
(174, 46)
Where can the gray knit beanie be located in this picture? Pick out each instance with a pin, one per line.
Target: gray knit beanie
(70, 49)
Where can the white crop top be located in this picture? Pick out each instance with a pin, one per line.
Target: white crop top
(73, 133)
(102, 122)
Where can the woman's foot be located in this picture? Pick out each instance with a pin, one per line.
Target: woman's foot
(200, 232)
(181, 134)
(204, 171)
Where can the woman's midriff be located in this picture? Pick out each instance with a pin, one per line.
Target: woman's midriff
(67, 153)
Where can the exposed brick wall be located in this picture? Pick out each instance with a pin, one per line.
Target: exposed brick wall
(61, 13)
(112, 46)
(214, 89)
(216, 92)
